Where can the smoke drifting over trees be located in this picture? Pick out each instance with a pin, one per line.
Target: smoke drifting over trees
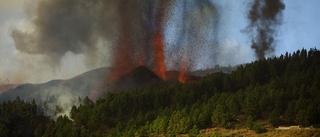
(265, 16)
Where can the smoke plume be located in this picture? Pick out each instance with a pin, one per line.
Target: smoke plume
(135, 30)
(58, 27)
(265, 16)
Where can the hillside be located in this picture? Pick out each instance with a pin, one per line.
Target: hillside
(253, 99)
(94, 81)
(79, 86)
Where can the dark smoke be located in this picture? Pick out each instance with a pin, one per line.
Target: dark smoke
(265, 16)
(61, 26)
(77, 26)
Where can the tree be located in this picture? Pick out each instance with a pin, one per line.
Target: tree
(302, 118)
(289, 114)
(4, 131)
(34, 107)
(259, 128)
(251, 106)
(179, 122)
(249, 122)
(58, 110)
(194, 131)
(159, 124)
(74, 111)
(274, 117)
(220, 117)
(40, 130)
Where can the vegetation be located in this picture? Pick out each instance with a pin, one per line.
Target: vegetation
(282, 91)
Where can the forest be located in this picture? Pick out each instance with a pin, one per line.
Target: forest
(282, 90)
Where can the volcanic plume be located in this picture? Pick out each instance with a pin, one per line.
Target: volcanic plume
(265, 16)
(135, 29)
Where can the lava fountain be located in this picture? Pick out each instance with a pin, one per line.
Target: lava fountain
(160, 66)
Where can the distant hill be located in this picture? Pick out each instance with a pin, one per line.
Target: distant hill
(79, 86)
(93, 83)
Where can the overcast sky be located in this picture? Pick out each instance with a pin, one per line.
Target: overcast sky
(299, 29)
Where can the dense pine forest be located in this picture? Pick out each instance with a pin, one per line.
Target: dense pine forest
(281, 91)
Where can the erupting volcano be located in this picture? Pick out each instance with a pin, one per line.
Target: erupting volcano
(141, 40)
(133, 32)
(163, 36)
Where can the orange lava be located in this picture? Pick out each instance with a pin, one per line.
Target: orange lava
(159, 60)
(182, 75)
(160, 66)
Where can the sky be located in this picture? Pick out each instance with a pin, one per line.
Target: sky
(299, 30)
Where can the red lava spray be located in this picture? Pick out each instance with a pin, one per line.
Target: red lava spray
(160, 66)
(159, 57)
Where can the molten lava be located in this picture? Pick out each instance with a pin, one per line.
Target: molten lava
(160, 67)
(183, 70)
(182, 76)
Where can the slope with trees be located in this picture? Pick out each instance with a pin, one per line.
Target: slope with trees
(282, 90)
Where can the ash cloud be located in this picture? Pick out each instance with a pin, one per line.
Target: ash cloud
(58, 27)
(62, 26)
(265, 16)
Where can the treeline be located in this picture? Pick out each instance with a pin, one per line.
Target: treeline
(20, 118)
(283, 91)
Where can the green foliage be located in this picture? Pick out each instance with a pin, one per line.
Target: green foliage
(179, 122)
(302, 118)
(220, 117)
(215, 134)
(4, 131)
(19, 118)
(194, 131)
(258, 128)
(58, 110)
(40, 130)
(274, 118)
(249, 122)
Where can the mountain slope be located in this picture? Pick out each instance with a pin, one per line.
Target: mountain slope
(138, 78)
(78, 86)
(92, 83)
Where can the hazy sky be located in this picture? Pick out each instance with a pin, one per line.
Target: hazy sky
(300, 29)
